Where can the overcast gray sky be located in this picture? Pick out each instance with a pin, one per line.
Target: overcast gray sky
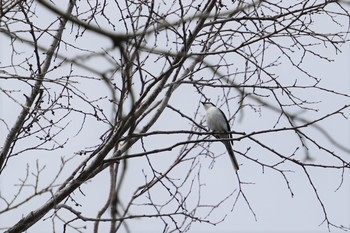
(267, 193)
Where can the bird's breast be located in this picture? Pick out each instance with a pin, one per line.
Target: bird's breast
(215, 120)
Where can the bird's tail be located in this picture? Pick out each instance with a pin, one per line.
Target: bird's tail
(232, 155)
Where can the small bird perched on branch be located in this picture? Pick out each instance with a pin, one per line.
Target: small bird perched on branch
(217, 122)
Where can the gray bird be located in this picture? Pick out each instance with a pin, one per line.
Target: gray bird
(217, 122)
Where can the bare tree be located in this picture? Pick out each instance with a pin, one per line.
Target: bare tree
(90, 85)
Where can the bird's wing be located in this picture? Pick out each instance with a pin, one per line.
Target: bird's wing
(227, 125)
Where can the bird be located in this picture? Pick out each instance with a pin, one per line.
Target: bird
(218, 123)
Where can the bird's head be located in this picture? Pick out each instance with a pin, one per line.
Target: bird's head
(207, 104)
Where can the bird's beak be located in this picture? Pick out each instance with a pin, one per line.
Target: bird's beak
(202, 102)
